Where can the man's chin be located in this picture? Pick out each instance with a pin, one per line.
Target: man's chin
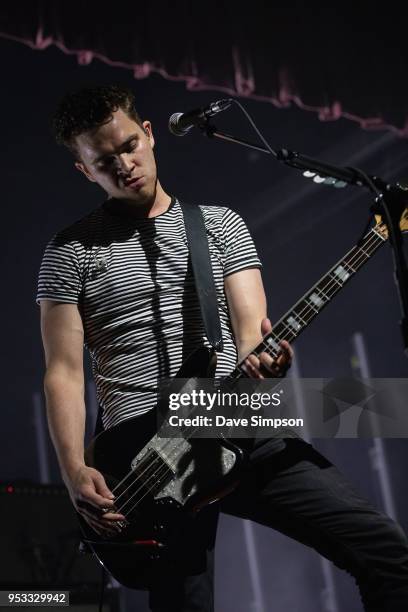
(143, 198)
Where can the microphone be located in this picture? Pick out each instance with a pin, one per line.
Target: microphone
(181, 123)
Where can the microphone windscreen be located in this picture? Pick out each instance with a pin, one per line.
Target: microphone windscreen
(174, 127)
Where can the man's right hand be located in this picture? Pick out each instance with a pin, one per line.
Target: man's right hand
(93, 500)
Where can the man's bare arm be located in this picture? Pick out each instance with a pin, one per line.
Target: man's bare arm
(63, 337)
(247, 305)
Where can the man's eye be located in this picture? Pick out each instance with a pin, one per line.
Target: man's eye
(104, 163)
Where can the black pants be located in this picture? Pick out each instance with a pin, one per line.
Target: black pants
(301, 494)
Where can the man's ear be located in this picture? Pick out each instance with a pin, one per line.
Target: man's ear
(147, 127)
(82, 168)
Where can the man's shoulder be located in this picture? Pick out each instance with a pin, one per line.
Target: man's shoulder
(224, 216)
(214, 210)
(215, 213)
(80, 230)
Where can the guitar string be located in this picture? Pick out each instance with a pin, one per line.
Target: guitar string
(358, 258)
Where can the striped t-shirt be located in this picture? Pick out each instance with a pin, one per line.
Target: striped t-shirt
(132, 281)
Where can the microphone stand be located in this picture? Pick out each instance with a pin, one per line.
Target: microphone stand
(390, 201)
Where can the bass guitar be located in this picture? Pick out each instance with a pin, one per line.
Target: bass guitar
(159, 483)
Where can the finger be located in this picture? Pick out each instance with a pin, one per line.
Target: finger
(106, 532)
(97, 513)
(266, 361)
(101, 487)
(286, 348)
(252, 363)
(266, 326)
(272, 372)
(89, 512)
(88, 494)
(284, 363)
(111, 516)
(112, 528)
(264, 366)
(283, 366)
(103, 528)
(98, 526)
(270, 367)
(109, 525)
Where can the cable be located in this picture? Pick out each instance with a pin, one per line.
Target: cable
(252, 122)
(102, 589)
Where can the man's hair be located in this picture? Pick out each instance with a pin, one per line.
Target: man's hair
(87, 109)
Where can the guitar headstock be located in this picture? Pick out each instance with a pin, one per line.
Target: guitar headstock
(382, 228)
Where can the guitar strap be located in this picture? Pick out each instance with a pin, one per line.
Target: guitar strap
(202, 273)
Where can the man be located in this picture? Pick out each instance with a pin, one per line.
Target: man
(119, 280)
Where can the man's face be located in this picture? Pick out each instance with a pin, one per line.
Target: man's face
(119, 157)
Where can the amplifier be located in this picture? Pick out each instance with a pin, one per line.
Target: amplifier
(39, 539)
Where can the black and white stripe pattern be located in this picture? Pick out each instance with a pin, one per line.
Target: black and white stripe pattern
(134, 288)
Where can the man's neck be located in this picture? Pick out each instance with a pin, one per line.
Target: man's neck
(159, 205)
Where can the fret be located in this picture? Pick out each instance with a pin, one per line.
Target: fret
(293, 323)
(342, 273)
(334, 284)
(360, 255)
(334, 277)
(354, 257)
(262, 347)
(240, 371)
(235, 374)
(364, 251)
(300, 313)
(308, 315)
(315, 310)
(379, 234)
(290, 331)
(325, 298)
(257, 350)
(316, 300)
(347, 265)
(272, 343)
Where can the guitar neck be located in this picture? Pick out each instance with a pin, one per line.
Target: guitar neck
(293, 322)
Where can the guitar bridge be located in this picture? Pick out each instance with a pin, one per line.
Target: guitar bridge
(152, 471)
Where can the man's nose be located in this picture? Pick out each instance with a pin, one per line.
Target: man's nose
(125, 163)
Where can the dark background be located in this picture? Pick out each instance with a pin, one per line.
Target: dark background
(300, 230)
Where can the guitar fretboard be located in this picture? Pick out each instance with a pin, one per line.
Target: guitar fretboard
(291, 325)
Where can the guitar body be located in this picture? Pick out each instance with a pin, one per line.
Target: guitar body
(159, 485)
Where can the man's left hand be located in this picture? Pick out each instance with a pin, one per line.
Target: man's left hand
(266, 366)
